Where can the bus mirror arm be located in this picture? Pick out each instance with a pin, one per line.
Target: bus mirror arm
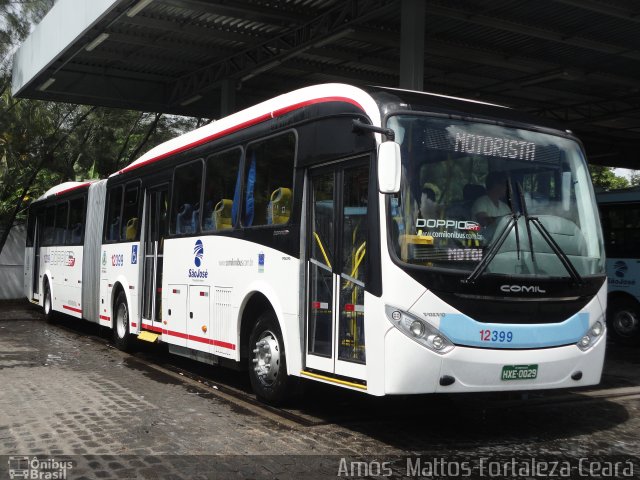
(359, 127)
(389, 160)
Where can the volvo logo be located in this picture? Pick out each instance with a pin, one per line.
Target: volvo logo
(521, 289)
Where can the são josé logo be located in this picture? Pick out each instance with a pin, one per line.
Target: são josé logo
(198, 253)
(620, 268)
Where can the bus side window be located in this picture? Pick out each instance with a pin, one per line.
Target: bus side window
(621, 229)
(60, 229)
(269, 181)
(129, 231)
(31, 226)
(49, 222)
(219, 190)
(114, 205)
(76, 222)
(185, 206)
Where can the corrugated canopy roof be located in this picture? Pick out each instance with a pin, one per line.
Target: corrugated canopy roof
(576, 61)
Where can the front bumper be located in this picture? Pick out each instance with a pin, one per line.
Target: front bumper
(412, 368)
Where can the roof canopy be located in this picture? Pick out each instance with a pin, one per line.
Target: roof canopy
(576, 61)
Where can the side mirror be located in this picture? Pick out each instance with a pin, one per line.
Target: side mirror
(389, 167)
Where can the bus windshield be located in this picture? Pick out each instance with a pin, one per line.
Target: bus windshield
(472, 190)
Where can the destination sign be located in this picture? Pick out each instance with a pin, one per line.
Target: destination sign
(495, 146)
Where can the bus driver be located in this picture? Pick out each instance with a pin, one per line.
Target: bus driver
(487, 208)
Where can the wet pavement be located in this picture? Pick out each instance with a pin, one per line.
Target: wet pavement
(67, 394)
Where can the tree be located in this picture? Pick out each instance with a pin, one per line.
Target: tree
(45, 143)
(605, 179)
(634, 179)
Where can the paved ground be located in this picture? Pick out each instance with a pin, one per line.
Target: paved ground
(67, 394)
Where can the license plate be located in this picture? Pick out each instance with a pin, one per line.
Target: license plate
(519, 372)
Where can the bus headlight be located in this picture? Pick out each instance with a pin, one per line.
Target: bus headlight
(419, 330)
(592, 335)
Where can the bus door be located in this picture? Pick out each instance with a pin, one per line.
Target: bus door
(35, 266)
(156, 222)
(337, 246)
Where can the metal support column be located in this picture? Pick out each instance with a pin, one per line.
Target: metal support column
(227, 97)
(412, 44)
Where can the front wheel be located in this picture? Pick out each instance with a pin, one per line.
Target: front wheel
(47, 306)
(268, 369)
(623, 320)
(121, 336)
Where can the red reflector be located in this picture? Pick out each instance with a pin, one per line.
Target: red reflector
(349, 307)
(203, 294)
(315, 304)
(176, 290)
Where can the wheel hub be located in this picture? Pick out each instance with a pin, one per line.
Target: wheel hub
(122, 319)
(626, 322)
(266, 358)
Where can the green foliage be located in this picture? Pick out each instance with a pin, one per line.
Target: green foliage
(43, 143)
(605, 179)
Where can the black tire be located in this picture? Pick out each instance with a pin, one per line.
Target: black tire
(623, 321)
(121, 337)
(268, 361)
(47, 304)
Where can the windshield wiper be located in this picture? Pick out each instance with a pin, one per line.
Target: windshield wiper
(484, 263)
(527, 218)
(514, 216)
(550, 241)
(493, 251)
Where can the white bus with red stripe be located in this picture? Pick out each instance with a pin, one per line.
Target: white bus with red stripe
(344, 235)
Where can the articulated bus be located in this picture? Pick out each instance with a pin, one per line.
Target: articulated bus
(620, 214)
(385, 241)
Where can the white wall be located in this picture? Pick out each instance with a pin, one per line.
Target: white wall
(12, 265)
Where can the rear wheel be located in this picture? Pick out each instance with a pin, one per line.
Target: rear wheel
(623, 320)
(121, 337)
(47, 305)
(268, 369)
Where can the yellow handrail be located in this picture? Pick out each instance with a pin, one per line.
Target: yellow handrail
(324, 253)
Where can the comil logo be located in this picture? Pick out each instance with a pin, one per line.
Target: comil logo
(522, 289)
(198, 251)
(620, 269)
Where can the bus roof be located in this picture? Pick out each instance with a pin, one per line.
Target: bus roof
(631, 194)
(273, 108)
(63, 188)
(367, 99)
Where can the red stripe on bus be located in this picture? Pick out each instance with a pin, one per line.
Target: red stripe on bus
(70, 189)
(210, 341)
(171, 333)
(151, 328)
(267, 116)
(134, 324)
(73, 309)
